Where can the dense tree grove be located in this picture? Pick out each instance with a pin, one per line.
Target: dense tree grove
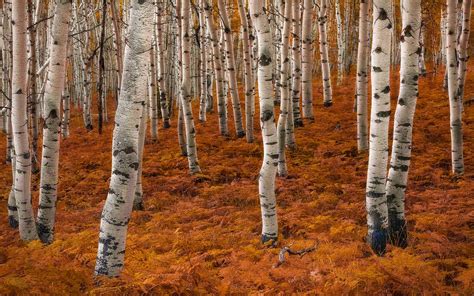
(148, 65)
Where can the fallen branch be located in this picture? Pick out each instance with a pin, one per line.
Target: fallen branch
(287, 249)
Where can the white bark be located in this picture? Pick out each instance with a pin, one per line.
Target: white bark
(125, 162)
(403, 125)
(267, 118)
(19, 119)
(324, 51)
(463, 48)
(307, 60)
(454, 100)
(362, 77)
(296, 71)
(376, 202)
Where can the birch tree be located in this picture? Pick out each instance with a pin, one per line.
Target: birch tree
(324, 51)
(296, 71)
(463, 48)
(454, 100)
(22, 181)
(125, 150)
(52, 121)
(403, 124)
(362, 77)
(307, 60)
(260, 19)
(376, 202)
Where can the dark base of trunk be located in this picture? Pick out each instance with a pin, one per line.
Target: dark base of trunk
(398, 233)
(139, 206)
(13, 222)
(378, 241)
(327, 104)
(240, 134)
(299, 122)
(166, 124)
(45, 234)
(272, 240)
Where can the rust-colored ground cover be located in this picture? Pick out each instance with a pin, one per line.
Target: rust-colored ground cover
(200, 234)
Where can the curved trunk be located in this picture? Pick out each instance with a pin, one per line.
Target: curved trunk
(267, 121)
(403, 125)
(125, 150)
(376, 202)
(19, 119)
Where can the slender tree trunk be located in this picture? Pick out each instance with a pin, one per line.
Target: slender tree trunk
(454, 99)
(403, 125)
(248, 74)
(296, 84)
(138, 200)
(230, 58)
(186, 90)
(463, 49)
(19, 119)
(125, 152)
(307, 61)
(153, 97)
(324, 51)
(203, 64)
(362, 77)
(267, 117)
(161, 76)
(376, 201)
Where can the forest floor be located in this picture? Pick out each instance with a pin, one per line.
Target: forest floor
(201, 234)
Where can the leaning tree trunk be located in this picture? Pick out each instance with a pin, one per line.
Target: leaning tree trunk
(376, 202)
(403, 125)
(125, 162)
(186, 90)
(454, 100)
(362, 77)
(267, 120)
(463, 49)
(324, 51)
(19, 119)
(307, 60)
(248, 74)
(229, 50)
(285, 90)
(52, 121)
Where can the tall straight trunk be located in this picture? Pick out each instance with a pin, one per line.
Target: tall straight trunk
(203, 63)
(324, 51)
(463, 48)
(248, 74)
(362, 77)
(125, 150)
(340, 43)
(268, 171)
(118, 39)
(218, 71)
(403, 125)
(454, 99)
(230, 58)
(376, 201)
(153, 97)
(101, 91)
(307, 60)
(296, 50)
(161, 66)
(19, 119)
(186, 90)
(52, 122)
(285, 90)
(138, 200)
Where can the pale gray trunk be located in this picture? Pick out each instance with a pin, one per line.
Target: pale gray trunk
(296, 71)
(324, 51)
(307, 61)
(362, 77)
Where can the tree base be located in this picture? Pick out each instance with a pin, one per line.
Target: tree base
(378, 241)
(166, 124)
(139, 206)
(271, 240)
(299, 122)
(398, 233)
(13, 222)
(327, 104)
(240, 134)
(45, 234)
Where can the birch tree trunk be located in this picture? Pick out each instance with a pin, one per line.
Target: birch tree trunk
(285, 90)
(463, 49)
(186, 90)
(454, 99)
(19, 119)
(52, 122)
(376, 202)
(324, 51)
(161, 74)
(230, 58)
(125, 162)
(307, 61)
(248, 75)
(203, 64)
(267, 121)
(403, 125)
(218, 71)
(296, 50)
(362, 77)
